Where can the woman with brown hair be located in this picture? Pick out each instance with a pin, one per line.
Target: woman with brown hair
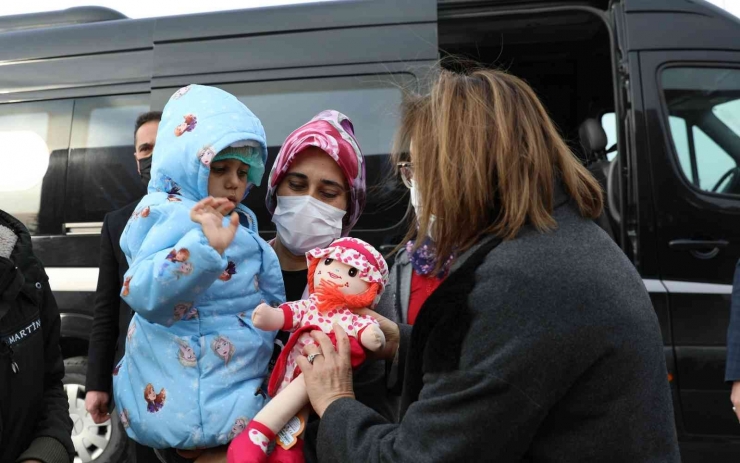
(541, 343)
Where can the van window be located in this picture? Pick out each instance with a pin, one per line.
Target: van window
(35, 138)
(371, 102)
(102, 174)
(609, 124)
(704, 120)
(373, 105)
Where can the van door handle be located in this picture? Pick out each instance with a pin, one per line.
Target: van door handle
(701, 249)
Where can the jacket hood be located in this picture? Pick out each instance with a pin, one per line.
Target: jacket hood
(197, 123)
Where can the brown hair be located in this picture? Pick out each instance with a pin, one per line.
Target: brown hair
(486, 156)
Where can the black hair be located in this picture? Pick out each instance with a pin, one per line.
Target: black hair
(146, 117)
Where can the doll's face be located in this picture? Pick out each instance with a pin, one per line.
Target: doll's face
(150, 395)
(341, 274)
(182, 255)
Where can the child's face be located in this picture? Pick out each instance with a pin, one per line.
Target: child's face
(341, 274)
(228, 179)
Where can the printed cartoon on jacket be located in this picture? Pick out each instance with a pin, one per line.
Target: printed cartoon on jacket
(346, 276)
(193, 357)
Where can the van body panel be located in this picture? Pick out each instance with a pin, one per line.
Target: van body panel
(57, 73)
(75, 92)
(508, 5)
(75, 40)
(295, 50)
(68, 250)
(281, 19)
(679, 25)
(416, 68)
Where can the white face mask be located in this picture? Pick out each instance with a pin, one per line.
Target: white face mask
(415, 198)
(416, 204)
(304, 223)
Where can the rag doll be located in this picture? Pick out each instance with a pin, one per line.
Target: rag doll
(342, 278)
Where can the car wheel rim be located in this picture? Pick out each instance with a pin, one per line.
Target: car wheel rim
(90, 439)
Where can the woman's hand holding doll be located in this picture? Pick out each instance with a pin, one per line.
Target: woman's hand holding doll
(343, 278)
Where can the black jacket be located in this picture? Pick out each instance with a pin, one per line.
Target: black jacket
(34, 418)
(112, 315)
(545, 348)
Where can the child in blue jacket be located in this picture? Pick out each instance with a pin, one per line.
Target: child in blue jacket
(194, 362)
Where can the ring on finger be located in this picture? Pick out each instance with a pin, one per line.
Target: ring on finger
(312, 357)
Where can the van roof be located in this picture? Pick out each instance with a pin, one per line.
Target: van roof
(76, 15)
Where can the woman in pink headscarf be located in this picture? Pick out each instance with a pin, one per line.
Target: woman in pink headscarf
(316, 192)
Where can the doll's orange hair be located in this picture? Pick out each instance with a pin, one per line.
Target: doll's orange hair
(331, 297)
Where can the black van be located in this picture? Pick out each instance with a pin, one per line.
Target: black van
(647, 92)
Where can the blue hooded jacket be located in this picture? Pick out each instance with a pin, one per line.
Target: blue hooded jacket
(194, 362)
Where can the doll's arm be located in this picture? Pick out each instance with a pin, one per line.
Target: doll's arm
(268, 318)
(369, 333)
(287, 316)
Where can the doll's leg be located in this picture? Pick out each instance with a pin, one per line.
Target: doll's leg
(251, 445)
(284, 406)
(295, 453)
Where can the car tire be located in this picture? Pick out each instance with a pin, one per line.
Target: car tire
(104, 443)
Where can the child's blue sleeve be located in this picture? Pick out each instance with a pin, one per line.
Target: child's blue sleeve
(165, 276)
(271, 283)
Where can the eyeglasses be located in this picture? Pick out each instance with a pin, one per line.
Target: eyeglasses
(407, 173)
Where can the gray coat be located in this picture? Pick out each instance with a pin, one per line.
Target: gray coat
(544, 349)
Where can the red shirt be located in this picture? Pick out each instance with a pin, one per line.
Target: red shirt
(422, 287)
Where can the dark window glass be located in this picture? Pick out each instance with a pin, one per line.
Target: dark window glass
(102, 174)
(704, 119)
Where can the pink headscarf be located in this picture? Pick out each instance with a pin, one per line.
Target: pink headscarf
(332, 132)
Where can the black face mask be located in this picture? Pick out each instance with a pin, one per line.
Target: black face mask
(145, 169)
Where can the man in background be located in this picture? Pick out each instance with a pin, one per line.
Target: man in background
(112, 315)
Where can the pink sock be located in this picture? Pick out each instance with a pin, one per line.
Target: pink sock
(251, 445)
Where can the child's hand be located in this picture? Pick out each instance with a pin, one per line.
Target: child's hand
(209, 213)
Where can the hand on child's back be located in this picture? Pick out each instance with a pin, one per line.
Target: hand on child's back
(209, 213)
